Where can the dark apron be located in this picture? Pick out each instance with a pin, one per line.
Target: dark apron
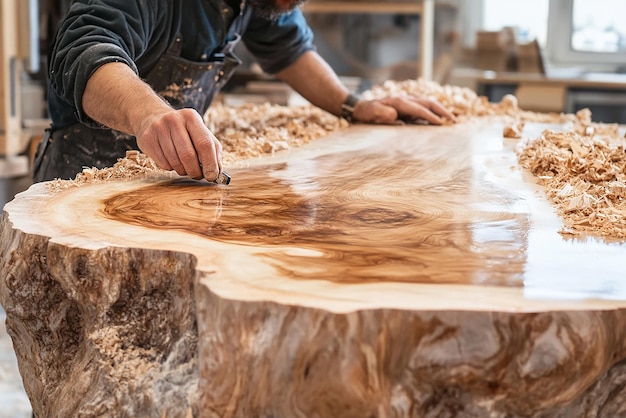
(64, 152)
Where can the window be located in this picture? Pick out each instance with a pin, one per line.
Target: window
(529, 17)
(597, 30)
(590, 34)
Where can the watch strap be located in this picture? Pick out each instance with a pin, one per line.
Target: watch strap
(347, 107)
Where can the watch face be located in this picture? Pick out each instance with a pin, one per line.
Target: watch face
(351, 100)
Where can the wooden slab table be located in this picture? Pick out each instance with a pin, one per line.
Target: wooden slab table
(406, 271)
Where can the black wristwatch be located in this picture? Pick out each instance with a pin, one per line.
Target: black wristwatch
(347, 107)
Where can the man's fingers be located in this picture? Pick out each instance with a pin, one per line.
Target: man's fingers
(436, 107)
(158, 157)
(180, 141)
(208, 149)
(187, 155)
(169, 150)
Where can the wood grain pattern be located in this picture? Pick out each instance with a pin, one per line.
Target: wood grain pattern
(406, 222)
(379, 272)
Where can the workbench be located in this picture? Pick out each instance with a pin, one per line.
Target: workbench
(405, 271)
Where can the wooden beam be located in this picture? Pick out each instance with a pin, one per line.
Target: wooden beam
(427, 39)
(362, 7)
(10, 69)
(352, 6)
(28, 36)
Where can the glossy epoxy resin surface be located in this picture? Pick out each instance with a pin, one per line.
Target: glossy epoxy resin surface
(433, 217)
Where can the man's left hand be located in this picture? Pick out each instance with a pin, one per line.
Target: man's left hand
(391, 110)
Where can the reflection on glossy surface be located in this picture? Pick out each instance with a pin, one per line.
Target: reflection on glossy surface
(409, 210)
(448, 206)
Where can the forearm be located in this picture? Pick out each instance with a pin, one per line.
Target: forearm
(116, 97)
(313, 78)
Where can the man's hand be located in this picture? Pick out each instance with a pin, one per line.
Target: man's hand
(179, 140)
(175, 139)
(390, 110)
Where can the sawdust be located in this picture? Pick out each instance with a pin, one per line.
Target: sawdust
(253, 130)
(513, 129)
(133, 165)
(583, 171)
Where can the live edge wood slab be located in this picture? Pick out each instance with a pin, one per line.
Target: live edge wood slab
(379, 272)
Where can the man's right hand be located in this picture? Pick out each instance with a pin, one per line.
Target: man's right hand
(179, 140)
(175, 139)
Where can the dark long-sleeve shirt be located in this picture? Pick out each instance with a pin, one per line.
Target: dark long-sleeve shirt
(139, 32)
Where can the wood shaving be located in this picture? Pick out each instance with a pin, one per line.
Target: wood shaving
(133, 165)
(583, 125)
(583, 171)
(513, 129)
(251, 130)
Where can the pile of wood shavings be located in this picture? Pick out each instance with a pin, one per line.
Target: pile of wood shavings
(583, 125)
(134, 165)
(245, 132)
(252, 130)
(584, 174)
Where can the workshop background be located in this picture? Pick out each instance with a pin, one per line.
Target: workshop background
(490, 46)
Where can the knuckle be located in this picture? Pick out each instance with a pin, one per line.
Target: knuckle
(189, 115)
